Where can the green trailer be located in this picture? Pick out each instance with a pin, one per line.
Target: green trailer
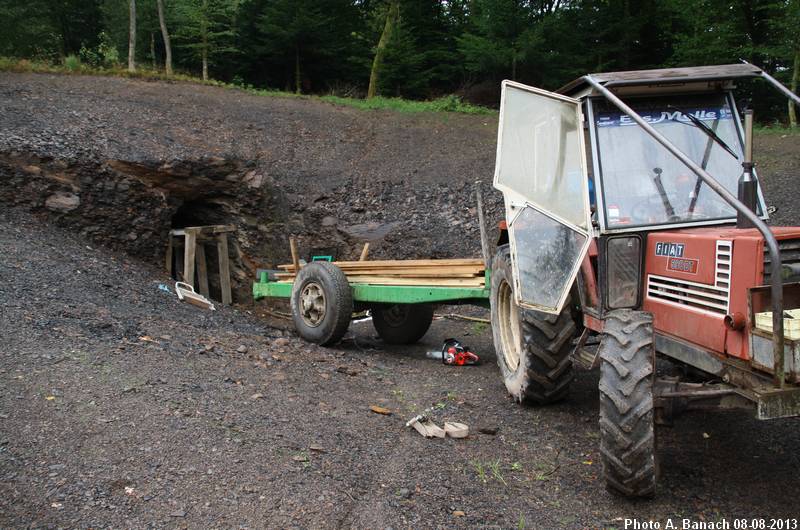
(323, 299)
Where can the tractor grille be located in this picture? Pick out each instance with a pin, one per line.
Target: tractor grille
(713, 298)
(790, 254)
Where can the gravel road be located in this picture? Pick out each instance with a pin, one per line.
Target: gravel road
(122, 407)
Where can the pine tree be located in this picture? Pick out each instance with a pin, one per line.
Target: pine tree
(205, 29)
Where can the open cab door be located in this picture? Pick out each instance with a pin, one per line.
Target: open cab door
(541, 171)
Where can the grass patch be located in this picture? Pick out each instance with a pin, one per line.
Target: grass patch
(72, 65)
(778, 129)
(480, 470)
(479, 327)
(449, 103)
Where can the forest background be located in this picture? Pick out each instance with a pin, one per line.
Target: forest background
(413, 49)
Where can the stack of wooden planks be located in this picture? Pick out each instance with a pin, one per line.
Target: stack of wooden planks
(425, 272)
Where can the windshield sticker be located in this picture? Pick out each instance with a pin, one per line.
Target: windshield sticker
(619, 119)
(671, 250)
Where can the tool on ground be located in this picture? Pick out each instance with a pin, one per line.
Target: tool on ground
(427, 428)
(455, 353)
(186, 293)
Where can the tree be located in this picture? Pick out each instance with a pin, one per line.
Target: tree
(132, 37)
(392, 16)
(204, 27)
(492, 47)
(786, 47)
(165, 37)
(300, 44)
(49, 29)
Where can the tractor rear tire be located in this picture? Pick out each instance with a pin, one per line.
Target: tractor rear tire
(322, 303)
(402, 323)
(533, 348)
(627, 430)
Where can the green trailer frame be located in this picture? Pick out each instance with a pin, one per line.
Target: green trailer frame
(367, 293)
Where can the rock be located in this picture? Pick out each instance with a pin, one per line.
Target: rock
(257, 396)
(458, 513)
(179, 513)
(348, 371)
(33, 170)
(62, 201)
(404, 493)
(242, 349)
(281, 342)
(329, 221)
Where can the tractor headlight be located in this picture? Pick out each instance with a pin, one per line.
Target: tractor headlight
(623, 271)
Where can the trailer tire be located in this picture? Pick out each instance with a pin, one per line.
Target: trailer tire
(533, 348)
(402, 323)
(322, 303)
(627, 429)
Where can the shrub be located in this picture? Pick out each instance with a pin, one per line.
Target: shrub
(72, 63)
(104, 55)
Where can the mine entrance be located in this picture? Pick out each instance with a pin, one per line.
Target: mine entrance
(207, 270)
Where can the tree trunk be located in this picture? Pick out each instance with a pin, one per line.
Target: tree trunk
(152, 50)
(204, 39)
(392, 14)
(793, 88)
(298, 79)
(165, 35)
(513, 64)
(132, 38)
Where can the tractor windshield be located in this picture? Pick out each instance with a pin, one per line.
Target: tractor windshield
(643, 184)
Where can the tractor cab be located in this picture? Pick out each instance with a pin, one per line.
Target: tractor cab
(636, 222)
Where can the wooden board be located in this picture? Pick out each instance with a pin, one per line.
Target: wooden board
(422, 282)
(402, 263)
(432, 282)
(402, 273)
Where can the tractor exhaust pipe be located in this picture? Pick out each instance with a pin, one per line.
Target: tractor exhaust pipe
(747, 184)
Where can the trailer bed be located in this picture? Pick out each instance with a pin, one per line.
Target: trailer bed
(397, 281)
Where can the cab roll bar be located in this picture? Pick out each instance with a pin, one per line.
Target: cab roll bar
(772, 244)
(777, 84)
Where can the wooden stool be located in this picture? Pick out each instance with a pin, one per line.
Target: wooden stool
(194, 253)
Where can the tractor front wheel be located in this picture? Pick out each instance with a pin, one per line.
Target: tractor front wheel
(533, 349)
(627, 430)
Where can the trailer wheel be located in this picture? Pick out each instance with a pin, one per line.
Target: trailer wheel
(402, 323)
(322, 303)
(533, 349)
(627, 430)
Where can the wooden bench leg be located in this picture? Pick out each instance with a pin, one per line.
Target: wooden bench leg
(168, 259)
(224, 268)
(202, 270)
(189, 257)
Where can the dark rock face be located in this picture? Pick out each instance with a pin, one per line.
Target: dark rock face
(129, 160)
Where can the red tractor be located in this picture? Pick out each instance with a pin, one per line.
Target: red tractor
(635, 230)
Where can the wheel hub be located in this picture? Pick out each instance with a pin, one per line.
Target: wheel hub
(510, 329)
(396, 315)
(312, 304)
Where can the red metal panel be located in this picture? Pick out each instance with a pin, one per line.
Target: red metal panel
(697, 247)
(705, 328)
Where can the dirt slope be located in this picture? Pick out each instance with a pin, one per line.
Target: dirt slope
(149, 155)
